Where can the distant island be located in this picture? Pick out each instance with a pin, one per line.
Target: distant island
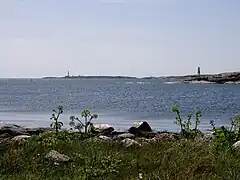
(222, 78)
(91, 77)
(68, 76)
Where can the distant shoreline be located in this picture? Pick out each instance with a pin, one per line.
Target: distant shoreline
(99, 77)
(222, 78)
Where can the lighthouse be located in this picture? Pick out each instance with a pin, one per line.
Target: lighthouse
(198, 71)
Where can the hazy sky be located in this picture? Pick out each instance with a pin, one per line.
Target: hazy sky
(118, 37)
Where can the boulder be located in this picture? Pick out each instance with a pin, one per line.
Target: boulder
(102, 128)
(105, 138)
(20, 138)
(57, 157)
(13, 130)
(130, 142)
(125, 135)
(236, 145)
(140, 127)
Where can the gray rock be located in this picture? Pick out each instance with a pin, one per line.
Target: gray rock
(125, 135)
(102, 128)
(13, 130)
(236, 145)
(105, 138)
(130, 142)
(57, 157)
(20, 137)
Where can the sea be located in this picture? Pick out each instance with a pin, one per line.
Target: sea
(118, 102)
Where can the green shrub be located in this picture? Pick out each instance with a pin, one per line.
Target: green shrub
(76, 123)
(185, 126)
(55, 116)
(224, 137)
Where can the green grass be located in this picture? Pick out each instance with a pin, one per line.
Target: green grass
(93, 159)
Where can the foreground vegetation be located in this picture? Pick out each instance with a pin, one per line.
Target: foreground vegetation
(192, 156)
(92, 159)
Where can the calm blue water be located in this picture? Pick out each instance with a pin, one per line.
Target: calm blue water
(118, 102)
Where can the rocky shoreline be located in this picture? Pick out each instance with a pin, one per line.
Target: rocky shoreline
(139, 134)
(222, 78)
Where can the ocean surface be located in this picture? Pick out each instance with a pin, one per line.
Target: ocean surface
(118, 102)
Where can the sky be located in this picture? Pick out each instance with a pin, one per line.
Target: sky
(118, 37)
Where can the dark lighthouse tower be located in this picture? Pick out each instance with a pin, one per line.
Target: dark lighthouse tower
(198, 71)
(68, 74)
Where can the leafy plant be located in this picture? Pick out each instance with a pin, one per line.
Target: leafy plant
(224, 137)
(178, 118)
(185, 126)
(76, 123)
(198, 114)
(56, 124)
